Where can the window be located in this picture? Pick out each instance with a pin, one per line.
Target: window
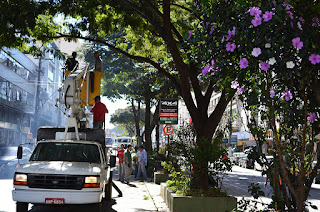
(62, 151)
(50, 72)
(12, 64)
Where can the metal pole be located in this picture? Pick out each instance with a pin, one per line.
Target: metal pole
(230, 133)
(37, 103)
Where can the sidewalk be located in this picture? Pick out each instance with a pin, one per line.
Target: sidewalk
(137, 196)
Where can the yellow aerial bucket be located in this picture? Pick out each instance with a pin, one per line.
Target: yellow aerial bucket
(90, 87)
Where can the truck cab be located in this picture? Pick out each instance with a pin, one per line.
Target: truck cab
(65, 171)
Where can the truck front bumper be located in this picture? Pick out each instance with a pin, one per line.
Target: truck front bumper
(70, 197)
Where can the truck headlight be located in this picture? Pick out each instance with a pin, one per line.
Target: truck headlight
(20, 179)
(91, 182)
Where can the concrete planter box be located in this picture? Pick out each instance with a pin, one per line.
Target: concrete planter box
(160, 178)
(178, 203)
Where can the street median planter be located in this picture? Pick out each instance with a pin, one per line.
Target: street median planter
(160, 177)
(178, 203)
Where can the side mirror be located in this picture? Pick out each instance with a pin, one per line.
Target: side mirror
(112, 161)
(19, 152)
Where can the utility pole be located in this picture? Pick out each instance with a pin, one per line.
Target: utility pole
(230, 130)
(37, 103)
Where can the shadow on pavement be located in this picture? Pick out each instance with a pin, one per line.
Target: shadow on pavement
(106, 207)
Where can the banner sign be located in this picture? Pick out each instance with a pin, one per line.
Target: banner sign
(169, 111)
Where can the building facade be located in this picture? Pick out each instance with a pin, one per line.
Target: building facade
(17, 97)
(28, 92)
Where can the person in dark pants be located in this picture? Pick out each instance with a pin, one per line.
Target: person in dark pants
(98, 66)
(99, 110)
(71, 62)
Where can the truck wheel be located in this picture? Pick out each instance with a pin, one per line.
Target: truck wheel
(22, 207)
(98, 207)
(108, 189)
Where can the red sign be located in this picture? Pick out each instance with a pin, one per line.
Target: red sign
(54, 201)
(168, 129)
(168, 114)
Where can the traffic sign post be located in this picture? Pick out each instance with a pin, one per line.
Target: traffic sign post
(169, 111)
(168, 129)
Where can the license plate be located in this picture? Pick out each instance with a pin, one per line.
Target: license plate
(54, 201)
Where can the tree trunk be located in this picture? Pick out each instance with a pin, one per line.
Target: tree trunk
(148, 131)
(158, 137)
(136, 114)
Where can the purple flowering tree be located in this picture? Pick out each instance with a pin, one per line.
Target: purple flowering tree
(272, 60)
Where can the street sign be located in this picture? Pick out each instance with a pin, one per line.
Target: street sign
(234, 140)
(169, 111)
(168, 129)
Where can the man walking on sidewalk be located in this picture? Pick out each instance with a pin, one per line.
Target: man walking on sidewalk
(121, 165)
(128, 164)
(142, 164)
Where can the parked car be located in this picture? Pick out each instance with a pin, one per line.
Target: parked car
(122, 140)
(245, 162)
(9, 161)
(317, 179)
(236, 156)
(258, 167)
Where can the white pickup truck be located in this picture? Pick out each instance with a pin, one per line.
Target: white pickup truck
(64, 172)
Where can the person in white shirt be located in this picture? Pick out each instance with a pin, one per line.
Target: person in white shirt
(142, 163)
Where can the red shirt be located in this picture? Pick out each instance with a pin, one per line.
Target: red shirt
(99, 110)
(120, 155)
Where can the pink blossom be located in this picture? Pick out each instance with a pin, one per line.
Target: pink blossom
(205, 70)
(195, 3)
(211, 30)
(287, 95)
(264, 66)
(240, 90)
(315, 21)
(230, 47)
(234, 84)
(287, 7)
(190, 35)
(297, 43)
(302, 20)
(290, 14)
(256, 52)
(267, 16)
(228, 37)
(233, 32)
(314, 59)
(255, 11)
(243, 63)
(272, 93)
(256, 21)
(312, 117)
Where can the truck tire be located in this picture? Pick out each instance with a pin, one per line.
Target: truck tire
(22, 207)
(98, 207)
(108, 189)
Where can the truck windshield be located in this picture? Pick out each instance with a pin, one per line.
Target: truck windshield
(73, 152)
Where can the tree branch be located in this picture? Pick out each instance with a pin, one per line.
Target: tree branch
(187, 9)
(133, 57)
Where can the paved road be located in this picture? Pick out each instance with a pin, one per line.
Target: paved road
(137, 197)
(145, 197)
(237, 182)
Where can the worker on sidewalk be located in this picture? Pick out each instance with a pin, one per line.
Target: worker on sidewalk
(142, 164)
(128, 164)
(121, 163)
(99, 110)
